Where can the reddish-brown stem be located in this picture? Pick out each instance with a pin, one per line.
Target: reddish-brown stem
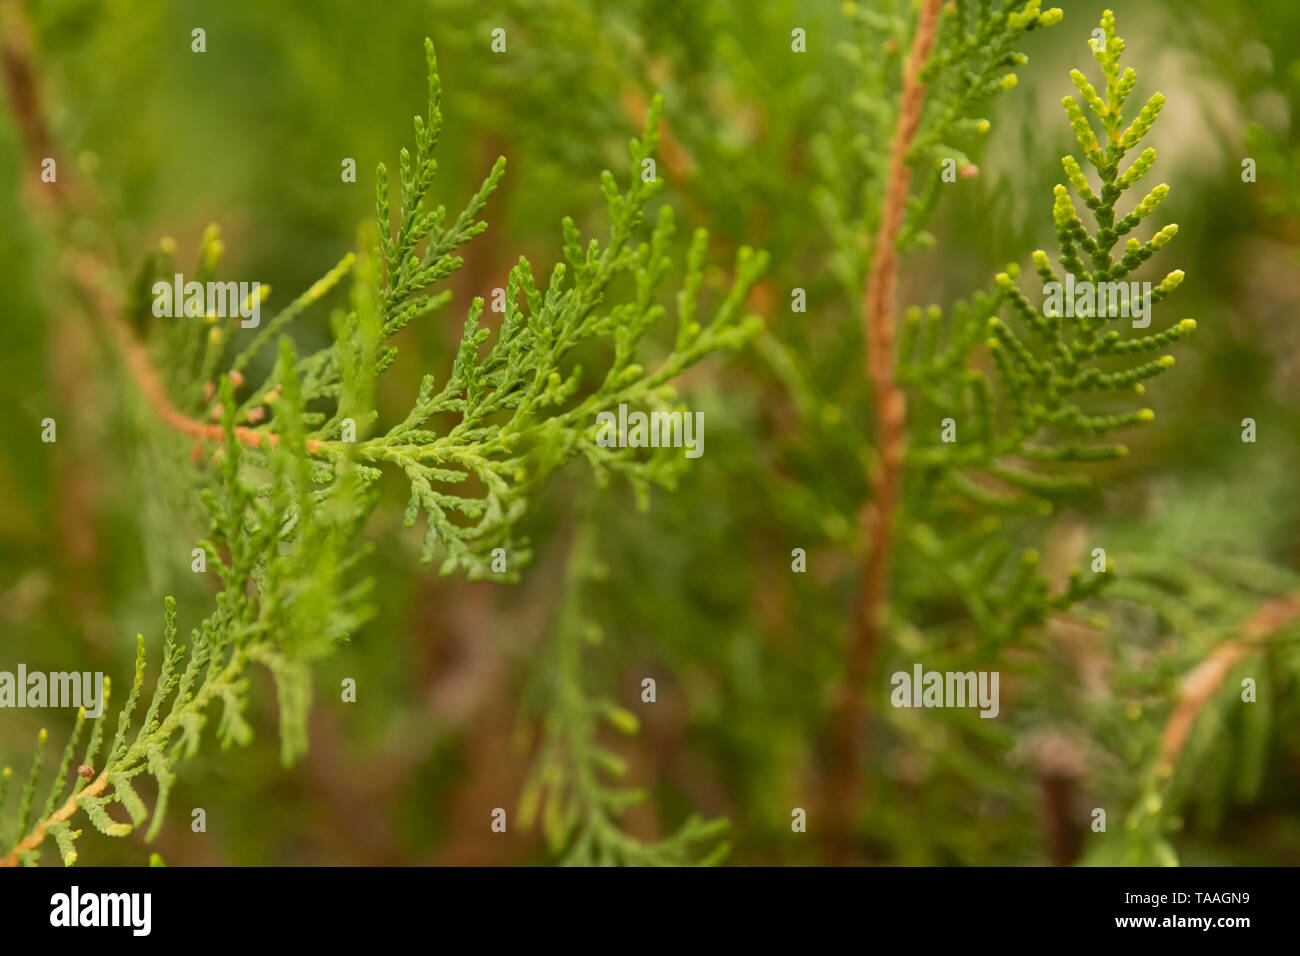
(878, 317)
(65, 812)
(86, 275)
(1208, 676)
(86, 271)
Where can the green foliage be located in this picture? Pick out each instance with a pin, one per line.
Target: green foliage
(1049, 392)
(1031, 412)
(773, 148)
(974, 56)
(288, 494)
(578, 810)
(1223, 762)
(518, 420)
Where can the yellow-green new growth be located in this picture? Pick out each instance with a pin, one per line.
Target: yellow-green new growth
(1048, 379)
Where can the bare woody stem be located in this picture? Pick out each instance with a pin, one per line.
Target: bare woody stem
(86, 271)
(878, 317)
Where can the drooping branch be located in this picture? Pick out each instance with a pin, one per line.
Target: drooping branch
(878, 317)
(1208, 676)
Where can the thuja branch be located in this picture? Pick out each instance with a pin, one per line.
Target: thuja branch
(878, 317)
(283, 527)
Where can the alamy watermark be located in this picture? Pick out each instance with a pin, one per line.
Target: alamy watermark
(654, 430)
(198, 299)
(1105, 299)
(133, 911)
(924, 688)
(55, 689)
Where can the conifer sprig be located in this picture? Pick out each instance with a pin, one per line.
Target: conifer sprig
(288, 596)
(566, 789)
(974, 59)
(286, 496)
(521, 413)
(1051, 394)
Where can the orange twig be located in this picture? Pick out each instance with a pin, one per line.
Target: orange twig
(70, 806)
(87, 270)
(1207, 677)
(86, 276)
(878, 308)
